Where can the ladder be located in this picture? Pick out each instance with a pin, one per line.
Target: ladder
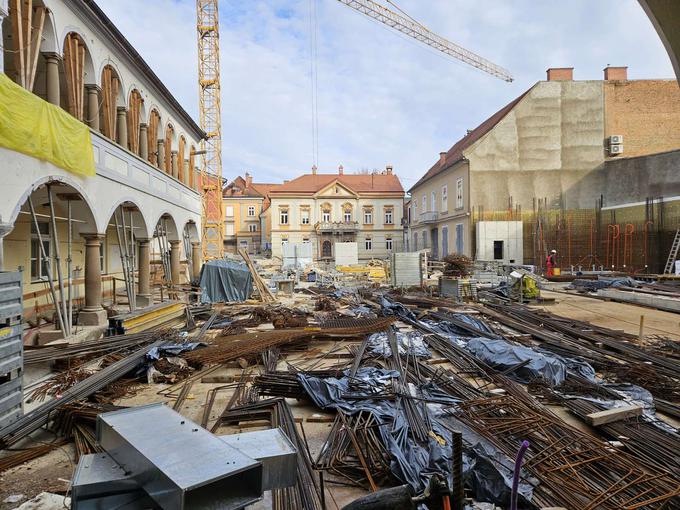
(673, 253)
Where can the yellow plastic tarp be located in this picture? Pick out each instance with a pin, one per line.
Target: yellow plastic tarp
(42, 130)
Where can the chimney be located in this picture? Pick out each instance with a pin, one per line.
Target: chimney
(341, 170)
(249, 180)
(442, 158)
(314, 170)
(615, 73)
(560, 74)
(389, 169)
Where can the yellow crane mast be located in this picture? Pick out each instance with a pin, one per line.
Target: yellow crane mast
(208, 28)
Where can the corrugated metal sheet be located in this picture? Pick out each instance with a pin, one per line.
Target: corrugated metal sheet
(11, 348)
(406, 269)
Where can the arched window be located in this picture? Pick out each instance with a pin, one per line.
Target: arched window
(133, 120)
(152, 136)
(27, 23)
(110, 89)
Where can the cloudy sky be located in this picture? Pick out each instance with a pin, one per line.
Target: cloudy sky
(382, 98)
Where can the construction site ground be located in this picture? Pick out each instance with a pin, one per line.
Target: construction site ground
(52, 472)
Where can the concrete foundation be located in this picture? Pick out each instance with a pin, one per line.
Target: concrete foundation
(93, 318)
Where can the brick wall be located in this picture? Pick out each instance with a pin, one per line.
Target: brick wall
(645, 112)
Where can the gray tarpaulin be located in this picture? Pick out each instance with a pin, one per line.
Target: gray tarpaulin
(224, 280)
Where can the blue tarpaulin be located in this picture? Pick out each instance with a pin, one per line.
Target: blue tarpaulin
(223, 281)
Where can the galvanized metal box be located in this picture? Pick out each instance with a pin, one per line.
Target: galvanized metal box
(11, 348)
(10, 297)
(11, 402)
(179, 464)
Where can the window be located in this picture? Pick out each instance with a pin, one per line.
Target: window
(251, 210)
(305, 240)
(433, 201)
(230, 211)
(388, 244)
(326, 216)
(229, 229)
(415, 210)
(38, 263)
(368, 216)
(252, 228)
(284, 241)
(389, 216)
(243, 244)
(445, 241)
(424, 203)
(498, 250)
(283, 216)
(459, 193)
(460, 244)
(304, 216)
(347, 215)
(445, 198)
(415, 241)
(368, 244)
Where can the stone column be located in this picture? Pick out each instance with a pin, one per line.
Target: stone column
(196, 259)
(121, 128)
(174, 261)
(174, 165)
(160, 159)
(52, 78)
(143, 142)
(93, 106)
(144, 297)
(5, 228)
(92, 314)
(187, 178)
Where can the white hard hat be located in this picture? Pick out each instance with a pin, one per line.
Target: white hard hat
(553, 251)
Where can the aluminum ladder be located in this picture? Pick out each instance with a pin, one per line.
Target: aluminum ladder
(673, 253)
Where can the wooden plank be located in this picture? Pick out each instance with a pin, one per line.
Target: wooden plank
(18, 35)
(613, 415)
(35, 47)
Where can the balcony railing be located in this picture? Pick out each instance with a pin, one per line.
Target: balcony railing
(429, 217)
(337, 226)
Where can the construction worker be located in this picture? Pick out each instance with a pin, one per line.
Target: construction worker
(551, 262)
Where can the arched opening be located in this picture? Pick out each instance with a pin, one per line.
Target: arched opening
(111, 99)
(166, 251)
(77, 70)
(48, 241)
(169, 142)
(347, 213)
(22, 40)
(326, 212)
(152, 134)
(134, 119)
(181, 165)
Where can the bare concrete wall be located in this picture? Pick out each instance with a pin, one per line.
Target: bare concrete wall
(551, 140)
(632, 180)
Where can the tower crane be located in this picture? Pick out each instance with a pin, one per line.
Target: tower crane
(208, 29)
(415, 30)
(207, 26)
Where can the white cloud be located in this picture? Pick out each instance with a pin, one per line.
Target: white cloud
(382, 97)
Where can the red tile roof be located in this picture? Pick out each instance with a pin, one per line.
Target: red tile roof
(455, 153)
(359, 183)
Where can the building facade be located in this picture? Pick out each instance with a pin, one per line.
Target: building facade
(322, 209)
(135, 147)
(548, 148)
(246, 223)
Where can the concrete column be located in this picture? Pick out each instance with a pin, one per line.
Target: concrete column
(196, 259)
(93, 106)
(174, 261)
(187, 178)
(144, 297)
(93, 314)
(160, 159)
(121, 128)
(174, 164)
(52, 78)
(143, 142)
